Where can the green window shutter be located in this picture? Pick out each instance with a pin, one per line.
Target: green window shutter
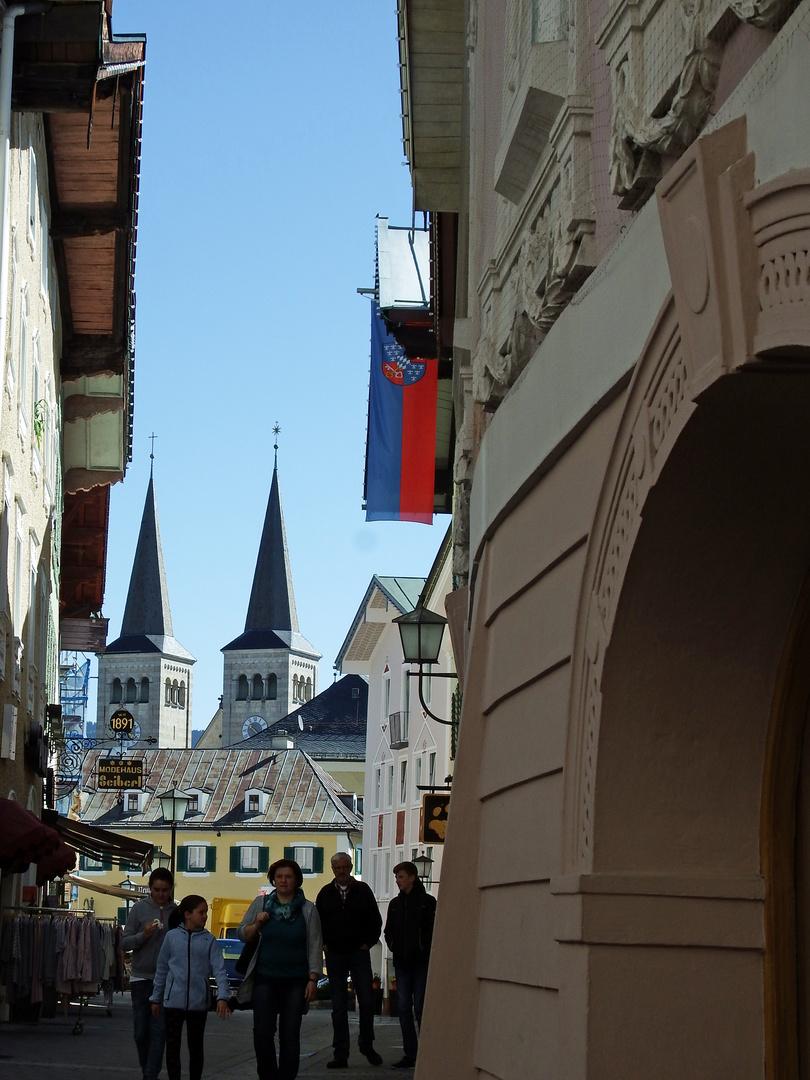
(234, 860)
(264, 860)
(210, 859)
(289, 853)
(181, 860)
(106, 862)
(317, 860)
(122, 916)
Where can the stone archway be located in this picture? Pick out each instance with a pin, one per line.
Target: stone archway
(699, 551)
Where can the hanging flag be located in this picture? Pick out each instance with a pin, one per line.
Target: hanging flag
(401, 449)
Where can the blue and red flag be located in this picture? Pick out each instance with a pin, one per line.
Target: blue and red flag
(401, 451)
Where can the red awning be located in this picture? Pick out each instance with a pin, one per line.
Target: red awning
(56, 864)
(23, 838)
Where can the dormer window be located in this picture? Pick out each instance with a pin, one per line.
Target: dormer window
(256, 801)
(198, 800)
(132, 802)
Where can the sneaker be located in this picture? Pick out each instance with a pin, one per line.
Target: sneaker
(404, 1063)
(337, 1063)
(372, 1057)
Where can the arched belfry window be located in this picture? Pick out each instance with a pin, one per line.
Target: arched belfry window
(272, 687)
(174, 692)
(295, 688)
(168, 698)
(308, 690)
(132, 691)
(258, 688)
(144, 689)
(242, 688)
(181, 695)
(117, 692)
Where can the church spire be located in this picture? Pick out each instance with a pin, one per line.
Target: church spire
(272, 602)
(147, 608)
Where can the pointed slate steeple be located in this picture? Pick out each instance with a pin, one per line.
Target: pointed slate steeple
(146, 669)
(270, 668)
(272, 601)
(147, 609)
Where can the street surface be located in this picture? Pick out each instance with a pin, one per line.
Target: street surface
(48, 1049)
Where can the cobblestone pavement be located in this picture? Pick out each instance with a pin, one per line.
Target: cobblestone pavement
(104, 1050)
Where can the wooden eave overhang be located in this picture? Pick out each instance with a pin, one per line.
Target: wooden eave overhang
(431, 64)
(88, 84)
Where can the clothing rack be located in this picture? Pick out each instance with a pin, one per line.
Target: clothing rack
(39, 962)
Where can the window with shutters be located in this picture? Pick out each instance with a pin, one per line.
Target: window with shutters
(197, 859)
(308, 856)
(90, 865)
(249, 859)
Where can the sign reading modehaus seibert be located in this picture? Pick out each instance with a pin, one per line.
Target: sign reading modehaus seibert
(120, 773)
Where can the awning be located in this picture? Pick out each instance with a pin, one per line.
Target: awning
(23, 838)
(110, 890)
(100, 843)
(55, 864)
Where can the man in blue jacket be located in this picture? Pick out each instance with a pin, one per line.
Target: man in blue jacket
(351, 924)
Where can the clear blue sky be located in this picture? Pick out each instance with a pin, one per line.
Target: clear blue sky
(272, 139)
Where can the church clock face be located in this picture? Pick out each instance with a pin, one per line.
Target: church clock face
(253, 725)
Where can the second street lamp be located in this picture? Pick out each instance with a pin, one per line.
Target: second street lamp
(174, 804)
(421, 632)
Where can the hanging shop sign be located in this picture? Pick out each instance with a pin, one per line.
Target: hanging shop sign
(120, 773)
(433, 824)
(121, 722)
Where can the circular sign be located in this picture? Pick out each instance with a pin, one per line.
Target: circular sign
(121, 721)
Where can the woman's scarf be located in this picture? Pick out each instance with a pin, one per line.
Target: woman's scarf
(285, 912)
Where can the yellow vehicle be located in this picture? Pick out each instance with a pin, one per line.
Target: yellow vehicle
(226, 915)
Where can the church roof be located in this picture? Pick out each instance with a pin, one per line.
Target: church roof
(146, 643)
(272, 602)
(300, 794)
(332, 726)
(147, 622)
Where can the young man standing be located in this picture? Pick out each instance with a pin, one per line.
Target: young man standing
(408, 934)
(351, 924)
(143, 936)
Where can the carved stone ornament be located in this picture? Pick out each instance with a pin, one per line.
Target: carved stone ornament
(638, 140)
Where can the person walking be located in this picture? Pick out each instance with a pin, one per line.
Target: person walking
(408, 934)
(143, 935)
(188, 957)
(351, 925)
(282, 975)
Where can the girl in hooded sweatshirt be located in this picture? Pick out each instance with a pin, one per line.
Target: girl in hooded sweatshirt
(188, 957)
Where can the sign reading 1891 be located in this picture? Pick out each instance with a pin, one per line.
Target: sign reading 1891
(121, 721)
(120, 773)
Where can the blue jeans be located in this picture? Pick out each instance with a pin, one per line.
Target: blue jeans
(150, 1033)
(411, 983)
(339, 966)
(277, 1002)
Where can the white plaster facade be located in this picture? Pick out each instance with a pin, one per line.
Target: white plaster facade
(30, 429)
(405, 748)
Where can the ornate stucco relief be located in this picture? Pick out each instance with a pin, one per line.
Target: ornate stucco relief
(663, 80)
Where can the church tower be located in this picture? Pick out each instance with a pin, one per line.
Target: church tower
(146, 670)
(271, 668)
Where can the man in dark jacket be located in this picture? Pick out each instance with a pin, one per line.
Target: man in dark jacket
(408, 934)
(351, 924)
